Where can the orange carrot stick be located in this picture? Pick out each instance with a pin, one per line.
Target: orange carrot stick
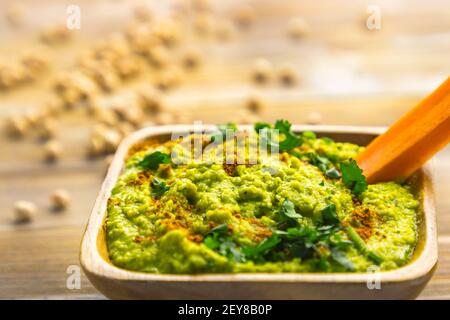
(411, 141)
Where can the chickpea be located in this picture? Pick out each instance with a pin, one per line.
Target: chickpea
(245, 16)
(24, 211)
(255, 104)
(224, 30)
(287, 75)
(150, 101)
(60, 199)
(262, 71)
(143, 13)
(52, 151)
(15, 14)
(314, 118)
(297, 28)
(17, 126)
(192, 58)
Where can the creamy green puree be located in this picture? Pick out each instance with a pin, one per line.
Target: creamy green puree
(311, 212)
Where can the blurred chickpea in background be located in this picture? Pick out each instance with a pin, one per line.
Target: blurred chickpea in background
(192, 58)
(15, 14)
(24, 211)
(245, 16)
(297, 28)
(262, 71)
(55, 34)
(142, 13)
(52, 151)
(255, 104)
(287, 75)
(60, 199)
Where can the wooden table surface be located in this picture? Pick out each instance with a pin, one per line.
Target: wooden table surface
(350, 75)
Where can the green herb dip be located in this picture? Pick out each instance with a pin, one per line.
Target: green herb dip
(210, 218)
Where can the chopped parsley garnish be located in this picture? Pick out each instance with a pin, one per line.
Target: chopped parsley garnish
(288, 209)
(262, 125)
(153, 160)
(261, 248)
(329, 215)
(353, 177)
(333, 173)
(219, 240)
(324, 164)
(291, 140)
(158, 187)
(361, 245)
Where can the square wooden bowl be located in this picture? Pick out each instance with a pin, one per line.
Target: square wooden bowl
(403, 283)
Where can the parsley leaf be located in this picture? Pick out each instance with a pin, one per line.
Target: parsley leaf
(323, 163)
(291, 140)
(353, 177)
(341, 259)
(288, 209)
(262, 125)
(329, 215)
(262, 248)
(158, 187)
(153, 160)
(333, 173)
(219, 240)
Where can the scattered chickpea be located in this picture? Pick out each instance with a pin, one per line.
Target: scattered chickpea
(46, 128)
(17, 126)
(15, 14)
(192, 58)
(35, 61)
(106, 116)
(125, 129)
(245, 16)
(95, 147)
(168, 79)
(297, 28)
(149, 101)
(255, 104)
(24, 211)
(111, 140)
(14, 75)
(108, 80)
(167, 31)
(55, 34)
(127, 68)
(159, 57)
(60, 199)
(203, 24)
(52, 151)
(262, 70)
(314, 118)
(224, 30)
(201, 5)
(143, 13)
(287, 75)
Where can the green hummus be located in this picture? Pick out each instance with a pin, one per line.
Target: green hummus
(296, 216)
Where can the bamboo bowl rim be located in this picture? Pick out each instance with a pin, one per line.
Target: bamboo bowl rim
(94, 259)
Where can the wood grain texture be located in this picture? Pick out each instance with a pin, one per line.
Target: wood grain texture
(350, 75)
